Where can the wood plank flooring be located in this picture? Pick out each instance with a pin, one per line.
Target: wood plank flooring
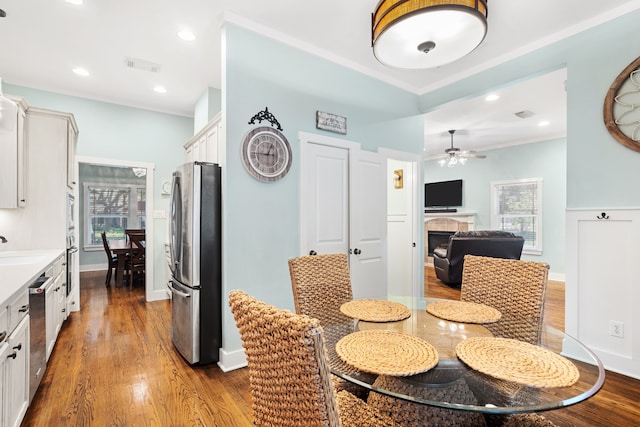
(114, 365)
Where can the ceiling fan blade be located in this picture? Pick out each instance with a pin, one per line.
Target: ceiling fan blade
(472, 155)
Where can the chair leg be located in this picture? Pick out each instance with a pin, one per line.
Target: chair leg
(107, 281)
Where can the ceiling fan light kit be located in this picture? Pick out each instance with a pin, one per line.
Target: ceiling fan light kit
(454, 156)
(417, 34)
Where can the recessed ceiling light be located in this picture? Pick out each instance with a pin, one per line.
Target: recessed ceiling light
(81, 71)
(77, 2)
(186, 35)
(160, 89)
(492, 97)
(544, 123)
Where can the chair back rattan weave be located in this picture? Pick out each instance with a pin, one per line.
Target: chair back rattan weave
(321, 284)
(289, 376)
(516, 288)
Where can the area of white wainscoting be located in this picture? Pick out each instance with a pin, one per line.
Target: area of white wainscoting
(602, 274)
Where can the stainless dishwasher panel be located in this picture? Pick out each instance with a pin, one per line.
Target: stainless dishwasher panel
(38, 333)
(185, 321)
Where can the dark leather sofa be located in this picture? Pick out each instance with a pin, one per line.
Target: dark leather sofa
(448, 262)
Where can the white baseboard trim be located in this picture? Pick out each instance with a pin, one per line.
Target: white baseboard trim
(93, 267)
(157, 295)
(557, 277)
(233, 360)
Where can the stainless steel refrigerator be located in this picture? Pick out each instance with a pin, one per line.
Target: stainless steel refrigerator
(196, 262)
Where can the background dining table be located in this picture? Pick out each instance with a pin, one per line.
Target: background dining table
(492, 395)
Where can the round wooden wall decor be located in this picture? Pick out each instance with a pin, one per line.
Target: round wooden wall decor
(622, 107)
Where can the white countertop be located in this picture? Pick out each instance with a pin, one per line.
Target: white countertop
(20, 268)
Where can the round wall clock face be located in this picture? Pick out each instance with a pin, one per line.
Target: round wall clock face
(622, 107)
(266, 154)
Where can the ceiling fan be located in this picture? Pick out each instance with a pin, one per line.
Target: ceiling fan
(454, 155)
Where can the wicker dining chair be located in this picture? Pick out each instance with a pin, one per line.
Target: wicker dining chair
(320, 285)
(517, 289)
(289, 375)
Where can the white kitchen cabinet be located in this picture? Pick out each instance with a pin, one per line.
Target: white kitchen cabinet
(13, 163)
(72, 141)
(4, 324)
(204, 146)
(55, 307)
(4, 352)
(16, 379)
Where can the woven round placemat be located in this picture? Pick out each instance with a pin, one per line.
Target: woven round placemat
(464, 312)
(374, 310)
(387, 353)
(517, 361)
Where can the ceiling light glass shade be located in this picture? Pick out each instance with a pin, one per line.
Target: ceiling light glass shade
(415, 34)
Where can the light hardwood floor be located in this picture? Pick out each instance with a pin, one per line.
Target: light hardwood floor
(114, 365)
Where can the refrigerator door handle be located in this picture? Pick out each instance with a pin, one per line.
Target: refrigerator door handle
(177, 292)
(175, 247)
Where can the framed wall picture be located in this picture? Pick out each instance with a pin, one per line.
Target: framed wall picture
(331, 122)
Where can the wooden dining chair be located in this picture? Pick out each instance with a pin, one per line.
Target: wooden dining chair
(289, 374)
(136, 258)
(111, 258)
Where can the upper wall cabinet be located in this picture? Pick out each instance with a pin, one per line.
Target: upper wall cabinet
(13, 161)
(72, 141)
(204, 146)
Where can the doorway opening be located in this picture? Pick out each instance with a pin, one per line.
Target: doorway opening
(114, 196)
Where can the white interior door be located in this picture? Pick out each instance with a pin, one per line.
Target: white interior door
(324, 192)
(343, 208)
(368, 224)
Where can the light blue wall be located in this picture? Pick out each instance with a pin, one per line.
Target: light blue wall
(261, 220)
(112, 131)
(207, 106)
(546, 160)
(599, 170)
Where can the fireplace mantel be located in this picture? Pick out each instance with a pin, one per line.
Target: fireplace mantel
(468, 217)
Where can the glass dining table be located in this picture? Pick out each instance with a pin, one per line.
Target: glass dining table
(451, 383)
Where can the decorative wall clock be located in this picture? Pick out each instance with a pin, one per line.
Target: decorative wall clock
(622, 107)
(266, 154)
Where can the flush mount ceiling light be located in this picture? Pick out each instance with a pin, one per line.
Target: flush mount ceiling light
(80, 72)
(186, 35)
(416, 34)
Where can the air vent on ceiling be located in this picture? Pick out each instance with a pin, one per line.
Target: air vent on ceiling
(141, 64)
(524, 114)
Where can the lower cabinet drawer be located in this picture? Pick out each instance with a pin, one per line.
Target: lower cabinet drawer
(17, 310)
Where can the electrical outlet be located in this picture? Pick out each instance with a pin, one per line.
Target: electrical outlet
(616, 329)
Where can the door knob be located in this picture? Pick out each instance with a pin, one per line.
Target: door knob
(312, 252)
(357, 251)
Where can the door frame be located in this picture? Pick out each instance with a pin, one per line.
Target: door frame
(151, 294)
(417, 218)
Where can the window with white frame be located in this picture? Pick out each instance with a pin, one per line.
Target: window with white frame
(112, 208)
(516, 206)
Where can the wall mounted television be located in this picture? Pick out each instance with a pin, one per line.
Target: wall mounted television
(443, 194)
